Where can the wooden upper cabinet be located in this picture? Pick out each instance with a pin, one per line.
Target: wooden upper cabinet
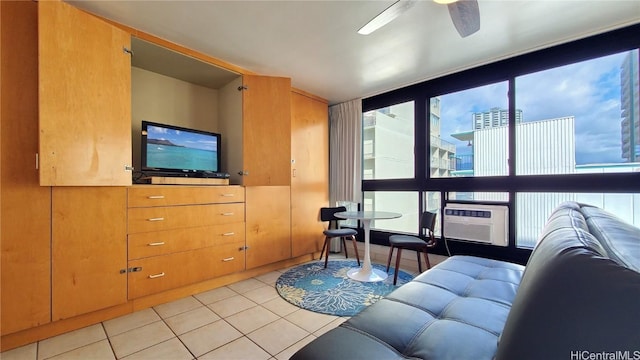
(266, 130)
(85, 98)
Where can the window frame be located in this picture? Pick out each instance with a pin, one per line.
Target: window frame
(508, 70)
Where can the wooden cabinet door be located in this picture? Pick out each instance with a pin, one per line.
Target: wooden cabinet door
(268, 222)
(266, 130)
(89, 249)
(25, 214)
(309, 172)
(85, 98)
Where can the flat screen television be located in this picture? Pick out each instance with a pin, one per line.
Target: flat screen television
(169, 150)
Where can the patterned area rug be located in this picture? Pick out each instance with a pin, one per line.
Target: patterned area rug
(329, 291)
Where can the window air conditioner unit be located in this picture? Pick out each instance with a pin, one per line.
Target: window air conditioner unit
(486, 224)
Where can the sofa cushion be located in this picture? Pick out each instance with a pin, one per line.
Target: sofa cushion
(464, 297)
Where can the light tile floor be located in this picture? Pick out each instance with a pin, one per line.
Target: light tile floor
(244, 320)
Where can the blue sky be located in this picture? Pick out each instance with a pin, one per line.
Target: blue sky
(186, 139)
(589, 91)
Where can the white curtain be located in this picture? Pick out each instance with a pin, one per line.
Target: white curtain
(345, 152)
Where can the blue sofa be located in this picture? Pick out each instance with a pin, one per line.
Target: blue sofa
(578, 295)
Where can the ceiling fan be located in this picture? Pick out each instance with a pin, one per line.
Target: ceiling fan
(465, 15)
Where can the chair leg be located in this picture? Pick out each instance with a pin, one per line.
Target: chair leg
(344, 246)
(395, 274)
(419, 262)
(426, 259)
(355, 248)
(326, 254)
(323, 247)
(389, 259)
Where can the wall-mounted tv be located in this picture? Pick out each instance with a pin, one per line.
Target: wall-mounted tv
(169, 150)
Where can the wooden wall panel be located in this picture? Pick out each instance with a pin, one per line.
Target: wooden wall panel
(309, 172)
(25, 209)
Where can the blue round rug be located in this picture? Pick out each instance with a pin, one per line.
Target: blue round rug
(329, 291)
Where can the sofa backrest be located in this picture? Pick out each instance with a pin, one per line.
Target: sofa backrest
(580, 292)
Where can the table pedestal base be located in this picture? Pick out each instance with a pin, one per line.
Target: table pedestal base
(367, 276)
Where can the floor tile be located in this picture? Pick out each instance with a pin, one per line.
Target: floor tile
(288, 352)
(277, 336)
(209, 337)
(269, 278)
(214, 295)
(141, 338)
(191, 319)
(176, 307)
(27, 352)
(308, 320)
(251, 319)
(240, 349)
(261, 294)
(70, 341)
(100, 350)
(245, 285)
(172, 349)
(335, 323)
(129, 322)
(231, 305)
(280, 306)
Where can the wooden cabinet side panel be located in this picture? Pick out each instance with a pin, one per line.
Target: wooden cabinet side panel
(268, 221)
(85, 98)
(25, 214)
(310, 172)
(89, 249)
(266, 114)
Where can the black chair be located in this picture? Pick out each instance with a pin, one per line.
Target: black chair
(418, 244)
(334, 231)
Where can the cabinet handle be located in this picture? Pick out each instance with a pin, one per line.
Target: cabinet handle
(229, 234)
(155, 197)
(228, 259)
(156, 275)
(156, 219)
(227, 195)
(156, 243)
(227, 214)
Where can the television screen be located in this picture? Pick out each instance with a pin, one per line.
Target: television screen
(178, 150)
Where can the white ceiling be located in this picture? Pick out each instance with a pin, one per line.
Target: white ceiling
(315, 42)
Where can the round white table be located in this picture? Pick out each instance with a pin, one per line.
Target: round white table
(366, 272)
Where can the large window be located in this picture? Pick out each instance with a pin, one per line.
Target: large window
(470, 135)
(580, 118)
(387, 142)
(532, 131)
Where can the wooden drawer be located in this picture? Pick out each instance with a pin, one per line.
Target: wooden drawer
(160, 273)
(156, 243)
(179, 217)
(162, 195)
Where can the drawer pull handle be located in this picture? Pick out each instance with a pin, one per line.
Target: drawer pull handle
(155, 197)
(156, 275)
(156, 243)
(227, 214)
(156, 219)
(228, 259)
(227, 195)
(229, 234)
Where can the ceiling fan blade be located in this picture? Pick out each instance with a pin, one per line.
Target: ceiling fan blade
(465, 15)
(386, 16)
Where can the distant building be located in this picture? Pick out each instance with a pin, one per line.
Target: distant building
(629, 107)
(494, 117)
